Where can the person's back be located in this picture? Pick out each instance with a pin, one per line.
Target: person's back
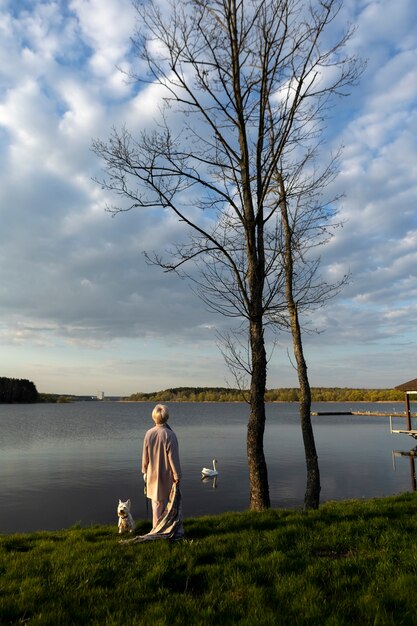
(160, 461)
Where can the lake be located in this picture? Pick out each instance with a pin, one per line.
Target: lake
(63, 464)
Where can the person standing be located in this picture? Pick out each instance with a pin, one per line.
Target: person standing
(160, 462)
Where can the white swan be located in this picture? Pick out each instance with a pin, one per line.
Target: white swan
(210, 472)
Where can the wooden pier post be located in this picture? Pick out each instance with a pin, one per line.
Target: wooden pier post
(407, 410)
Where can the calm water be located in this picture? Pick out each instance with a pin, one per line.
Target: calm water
(70, 463)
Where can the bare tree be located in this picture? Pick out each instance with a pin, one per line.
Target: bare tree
(246, 86)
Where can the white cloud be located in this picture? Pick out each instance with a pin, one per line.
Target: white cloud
(107, 27)
(74, 283)
(83, 114)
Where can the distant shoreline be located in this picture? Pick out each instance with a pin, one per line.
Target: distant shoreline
(281, 394)
(224, 394)
(267, 401)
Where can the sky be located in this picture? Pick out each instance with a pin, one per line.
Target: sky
(82, 312)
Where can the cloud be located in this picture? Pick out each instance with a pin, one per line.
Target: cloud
(379, 179)
(107, 28)
(73, 281)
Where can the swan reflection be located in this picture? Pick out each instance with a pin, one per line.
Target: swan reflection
(208, 479)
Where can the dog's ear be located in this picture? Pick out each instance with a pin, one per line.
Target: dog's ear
(128, 502)
(120, 502)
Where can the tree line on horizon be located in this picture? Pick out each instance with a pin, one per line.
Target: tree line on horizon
(287, 394)
(17, 390)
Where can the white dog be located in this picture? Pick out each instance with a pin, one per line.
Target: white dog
(126, 523)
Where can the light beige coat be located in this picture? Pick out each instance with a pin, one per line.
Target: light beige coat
(160, 461)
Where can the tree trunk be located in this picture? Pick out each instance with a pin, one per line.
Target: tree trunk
(258, 474)
(312, 493)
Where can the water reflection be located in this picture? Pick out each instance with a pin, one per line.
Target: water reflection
(78, 460)
(210, 480)
(411, 454)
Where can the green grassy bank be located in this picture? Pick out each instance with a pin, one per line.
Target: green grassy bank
(352, 562)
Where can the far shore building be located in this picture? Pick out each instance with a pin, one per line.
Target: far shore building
(100, 395)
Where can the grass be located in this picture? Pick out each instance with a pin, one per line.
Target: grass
(352, 562)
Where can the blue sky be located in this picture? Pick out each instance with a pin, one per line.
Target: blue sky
(80, 311)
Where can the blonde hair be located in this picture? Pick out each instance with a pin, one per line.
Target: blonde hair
(160, 414)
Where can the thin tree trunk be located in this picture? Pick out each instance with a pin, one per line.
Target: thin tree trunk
(312, 493)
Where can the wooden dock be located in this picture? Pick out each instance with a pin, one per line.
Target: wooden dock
(332, 413)
(370, 413)
(401, 431)
(410, 433)
(394, 431)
